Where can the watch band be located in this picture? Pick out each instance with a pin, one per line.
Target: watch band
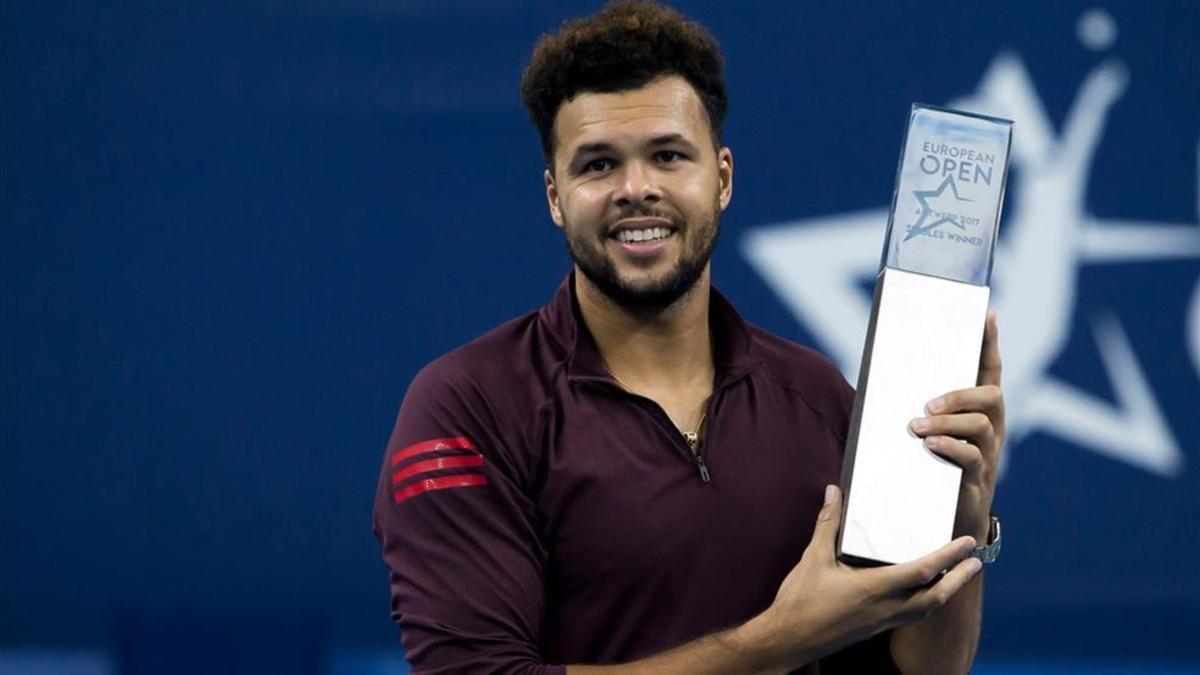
(988, 554)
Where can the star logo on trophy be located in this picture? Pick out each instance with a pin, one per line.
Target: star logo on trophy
(939, 216)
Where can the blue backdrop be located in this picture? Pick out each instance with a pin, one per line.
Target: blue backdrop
(232, 231)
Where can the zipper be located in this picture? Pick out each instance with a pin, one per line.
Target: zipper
(692, 438)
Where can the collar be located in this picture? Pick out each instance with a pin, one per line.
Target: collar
(732, 353)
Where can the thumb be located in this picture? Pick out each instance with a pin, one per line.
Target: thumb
(829, 519)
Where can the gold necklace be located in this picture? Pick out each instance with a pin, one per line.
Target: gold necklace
(691, 437)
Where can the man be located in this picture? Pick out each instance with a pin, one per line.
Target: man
(633, 479)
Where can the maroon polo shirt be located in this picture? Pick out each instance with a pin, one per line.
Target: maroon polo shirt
(532, 512)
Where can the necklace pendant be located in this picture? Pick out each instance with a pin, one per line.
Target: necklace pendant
(692, 438)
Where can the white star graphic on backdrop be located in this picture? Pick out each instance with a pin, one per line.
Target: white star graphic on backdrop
(1049, 237)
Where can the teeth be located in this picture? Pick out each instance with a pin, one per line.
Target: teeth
(648, 234)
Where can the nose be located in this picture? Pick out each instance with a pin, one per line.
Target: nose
(637, 185)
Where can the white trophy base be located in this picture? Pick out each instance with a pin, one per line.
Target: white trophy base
(924, 340)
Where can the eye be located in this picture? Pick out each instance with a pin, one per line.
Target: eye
(601, 164)
(668, 156)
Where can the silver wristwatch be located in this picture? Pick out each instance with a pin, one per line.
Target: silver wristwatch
(988, 554)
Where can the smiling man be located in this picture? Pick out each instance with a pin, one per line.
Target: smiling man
(620, 155)
(632, 478)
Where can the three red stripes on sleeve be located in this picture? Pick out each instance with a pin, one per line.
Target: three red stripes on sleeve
(414, 465)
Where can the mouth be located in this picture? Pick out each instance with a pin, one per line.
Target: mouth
(643, 241)
(642, 232)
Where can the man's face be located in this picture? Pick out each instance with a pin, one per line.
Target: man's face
(638, 189)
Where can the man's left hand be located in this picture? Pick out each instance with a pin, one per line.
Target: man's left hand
(967, 428)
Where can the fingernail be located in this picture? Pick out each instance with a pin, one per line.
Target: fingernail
(830, 494)
(974, 565)
(936, 405)
(931, 442)
(919, 425)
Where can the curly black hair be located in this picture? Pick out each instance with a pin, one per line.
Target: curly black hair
(624, 46)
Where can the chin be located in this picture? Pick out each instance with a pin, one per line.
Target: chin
(648, 279)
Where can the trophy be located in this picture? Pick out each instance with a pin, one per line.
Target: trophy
(925, 335)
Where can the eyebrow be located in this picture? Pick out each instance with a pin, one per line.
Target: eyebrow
(591, 148)
(668, 139)
(657, 141)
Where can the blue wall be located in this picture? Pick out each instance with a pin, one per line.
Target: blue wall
(230, 232)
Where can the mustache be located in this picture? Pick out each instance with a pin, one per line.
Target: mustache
(670, 215)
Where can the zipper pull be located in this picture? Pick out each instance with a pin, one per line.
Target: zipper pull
(693, 442)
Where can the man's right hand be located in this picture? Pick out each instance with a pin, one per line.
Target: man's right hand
(824, 605)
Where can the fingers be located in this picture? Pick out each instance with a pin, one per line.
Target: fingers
(829, 519)
(987, 399)
(975, 414)
(926, 600)
(975, 427)
(966, 455)
(989, 360)
(922, 571)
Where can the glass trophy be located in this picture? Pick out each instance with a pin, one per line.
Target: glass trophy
(925, 334)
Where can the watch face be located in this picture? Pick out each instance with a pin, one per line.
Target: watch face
(989, 553)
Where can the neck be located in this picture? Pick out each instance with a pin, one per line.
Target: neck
(667, 349)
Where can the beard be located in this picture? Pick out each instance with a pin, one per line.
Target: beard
(656, 296)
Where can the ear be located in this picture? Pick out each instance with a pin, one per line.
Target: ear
(725, 176)
(552, 198)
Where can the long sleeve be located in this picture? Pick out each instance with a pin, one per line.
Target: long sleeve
(458, 533)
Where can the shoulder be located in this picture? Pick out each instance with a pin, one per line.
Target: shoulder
(793, 364)
(806, 373)
(489, 390)
(514, 361)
